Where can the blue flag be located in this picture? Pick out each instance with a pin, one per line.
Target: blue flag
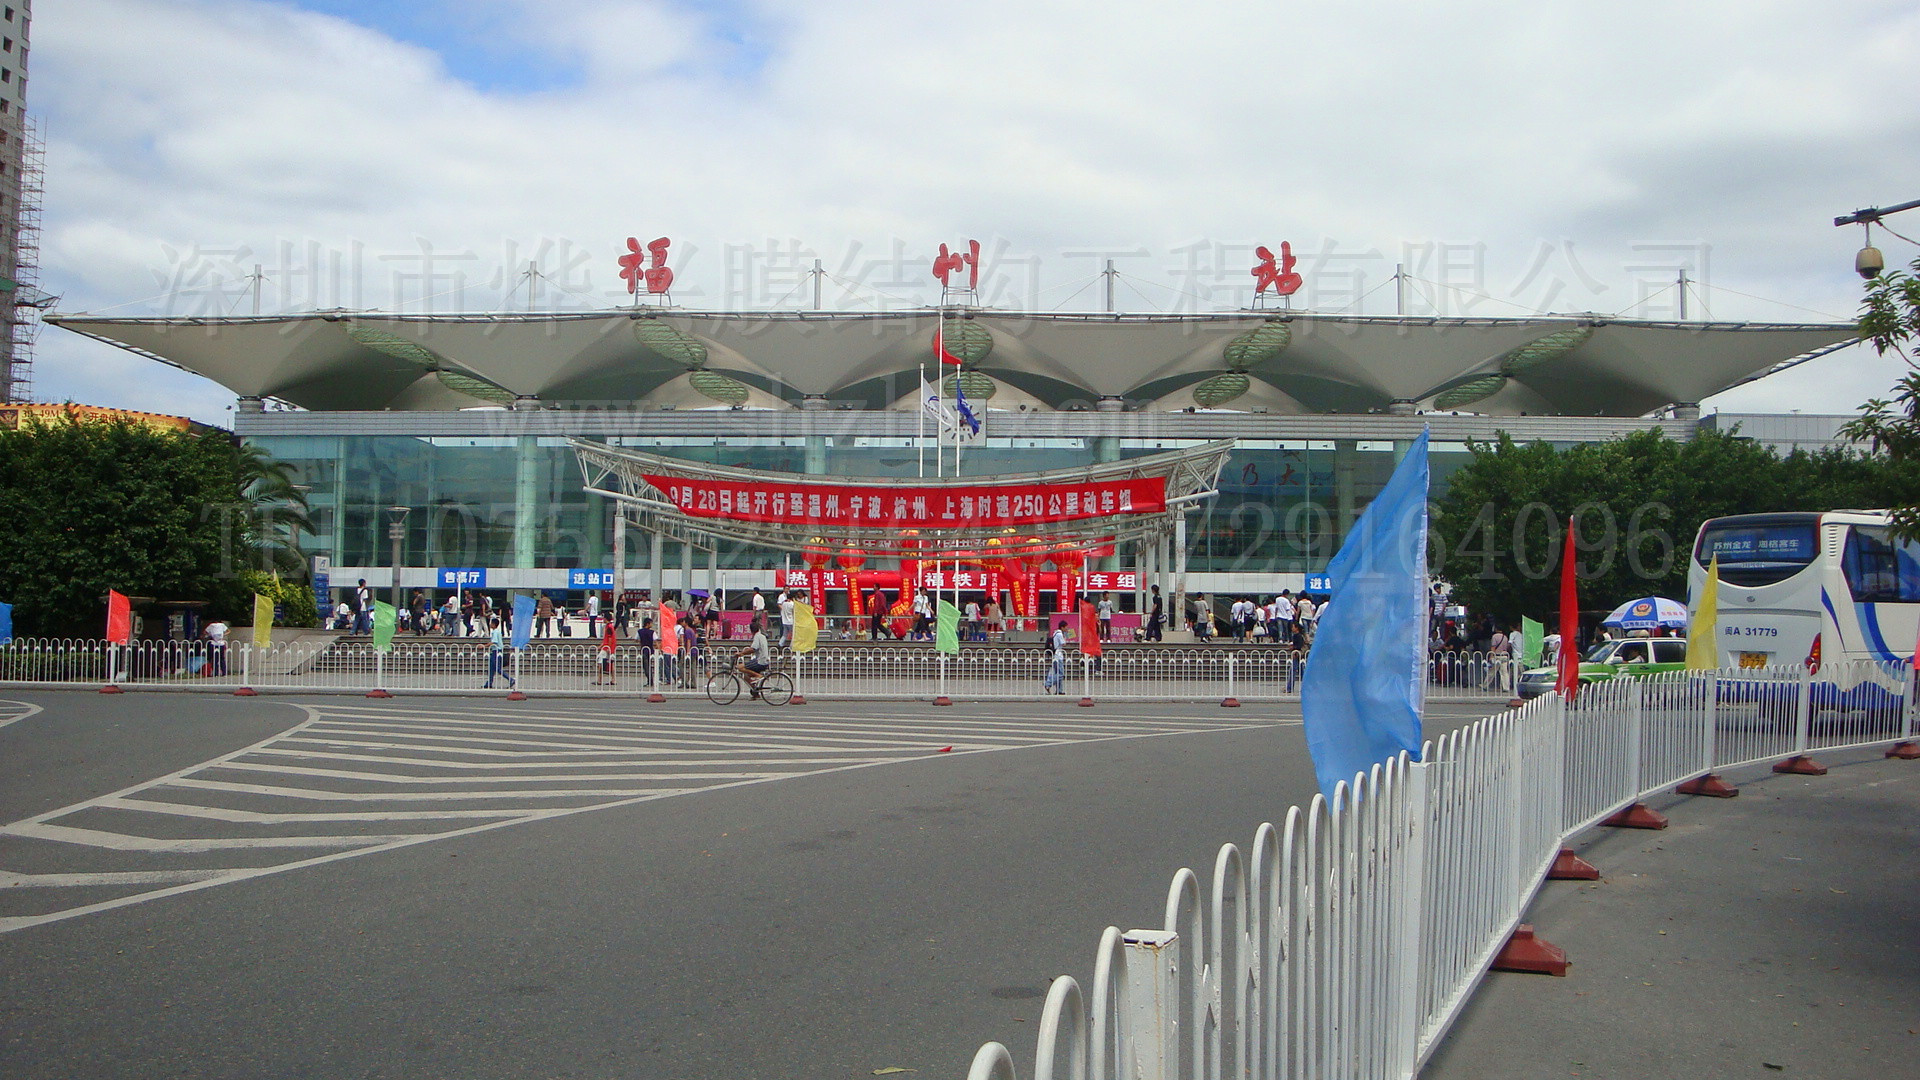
(6, 622)
(966, 414)
(1365, 679)
(522, 621)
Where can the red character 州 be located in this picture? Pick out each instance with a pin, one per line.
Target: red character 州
(658, 275)
(1282, 278)
(949, 262)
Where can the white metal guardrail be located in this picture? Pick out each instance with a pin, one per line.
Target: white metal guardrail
(452, 665)
(1346, 940)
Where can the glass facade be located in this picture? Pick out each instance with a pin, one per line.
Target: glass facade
(517, 501)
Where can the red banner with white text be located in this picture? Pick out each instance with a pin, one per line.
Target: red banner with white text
(858, 506)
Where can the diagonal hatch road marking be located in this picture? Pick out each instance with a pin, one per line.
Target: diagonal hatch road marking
(350, 780)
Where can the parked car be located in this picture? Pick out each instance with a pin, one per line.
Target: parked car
(1628, 658)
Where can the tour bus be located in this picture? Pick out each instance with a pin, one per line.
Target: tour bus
(1809, 589)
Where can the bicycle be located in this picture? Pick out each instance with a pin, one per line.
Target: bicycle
(723, 687)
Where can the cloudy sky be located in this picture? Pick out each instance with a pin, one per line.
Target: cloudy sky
(1513, 158)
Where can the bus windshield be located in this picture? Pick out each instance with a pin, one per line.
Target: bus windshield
(1759, 553)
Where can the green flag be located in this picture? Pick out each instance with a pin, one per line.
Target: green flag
(946, 630)
(1532, 640)
(383, 623)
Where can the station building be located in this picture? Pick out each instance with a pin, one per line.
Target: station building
(465, 421)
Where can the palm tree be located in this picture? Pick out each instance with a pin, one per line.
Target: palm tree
(276, 510)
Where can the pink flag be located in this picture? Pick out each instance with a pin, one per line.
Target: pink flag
(119, 619)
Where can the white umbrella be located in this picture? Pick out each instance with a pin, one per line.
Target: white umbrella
(1647, 613)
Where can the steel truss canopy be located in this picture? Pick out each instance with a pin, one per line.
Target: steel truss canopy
(640, 483)
(1246, 361)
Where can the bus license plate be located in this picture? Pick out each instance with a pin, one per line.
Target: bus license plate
(1753, 659)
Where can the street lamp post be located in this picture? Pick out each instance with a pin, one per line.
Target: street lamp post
(397, 532)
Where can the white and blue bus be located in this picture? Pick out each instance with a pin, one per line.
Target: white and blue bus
(1809, 589)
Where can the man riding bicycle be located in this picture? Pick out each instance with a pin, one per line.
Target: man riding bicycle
(752, 662)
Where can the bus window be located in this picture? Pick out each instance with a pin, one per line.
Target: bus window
(1878, 571)
(1759, 553)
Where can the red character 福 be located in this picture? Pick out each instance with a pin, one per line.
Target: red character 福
(1282, 278)
(658, 275)
(948, 262)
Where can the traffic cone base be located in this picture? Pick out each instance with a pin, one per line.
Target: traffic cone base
(1801, 765)
(1709, 785)
(1638, 816)
(1528, 955)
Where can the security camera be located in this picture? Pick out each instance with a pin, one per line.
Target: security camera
(1869, 262)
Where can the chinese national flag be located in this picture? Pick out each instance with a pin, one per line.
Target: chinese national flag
(119, 619)
(669, 638)
(1089, 629)
(940, 352)
(1568, 683)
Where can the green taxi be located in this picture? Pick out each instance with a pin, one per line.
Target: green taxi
(1628, 658)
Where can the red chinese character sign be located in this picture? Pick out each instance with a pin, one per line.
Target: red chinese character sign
(949, 263)
(885, 508)
(1281, 279)
(650, 266)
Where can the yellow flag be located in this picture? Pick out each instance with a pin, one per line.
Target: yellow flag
(806, 629)
(1703, 623)
(262, 621)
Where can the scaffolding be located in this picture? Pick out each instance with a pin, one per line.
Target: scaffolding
(21, 311)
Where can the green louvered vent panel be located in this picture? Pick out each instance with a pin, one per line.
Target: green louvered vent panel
(721, 388)
(1220, 389)
(1258, 345)
(1469, 392)
(977, 386)
(392, 345)
(969, 341)
(473, 387)
(675, 345)
(1534, 353)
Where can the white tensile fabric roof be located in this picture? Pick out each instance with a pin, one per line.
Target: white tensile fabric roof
(1574, 365)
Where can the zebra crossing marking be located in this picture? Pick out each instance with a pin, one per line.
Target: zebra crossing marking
(500, 767)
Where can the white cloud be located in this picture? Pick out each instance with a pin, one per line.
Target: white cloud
(1735, 130)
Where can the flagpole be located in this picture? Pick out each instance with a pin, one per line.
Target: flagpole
(920, 426)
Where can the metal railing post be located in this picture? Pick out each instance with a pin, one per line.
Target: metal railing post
(1803, 722)
(1153, 1004)
(1409, 916)
(246, 664)
(1633, 740)
(1230, 694)
(1086, 678)
(1710, 740)
(1906, 718)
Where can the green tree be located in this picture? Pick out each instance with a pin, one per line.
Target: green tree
(88, 506)
(1890, 319)
(1638, 502)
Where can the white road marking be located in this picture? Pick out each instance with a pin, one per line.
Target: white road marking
(510, 766)
(11, 711)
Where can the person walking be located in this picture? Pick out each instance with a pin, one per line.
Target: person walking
(786, 619)
(450, 617)
(543, 616)
(1055, 682)
(593, 614)
(496, 653)
(1499, 660)
(995, 624)
(420, 609)
(1104, 611)
(757, 605)
(1156, 617)
(362, 608)
(1304, 618)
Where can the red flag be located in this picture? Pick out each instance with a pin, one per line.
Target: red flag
(940, 352)
(1089, 630)
(669, 630)
(1568, 682)
(119, 619)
